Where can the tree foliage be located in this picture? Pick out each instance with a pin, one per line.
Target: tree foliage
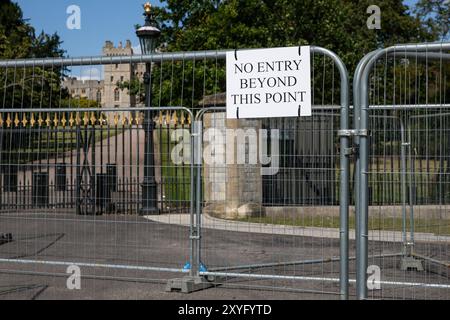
(34, 86)
(338, 25)
(436, 16)
(18, 38)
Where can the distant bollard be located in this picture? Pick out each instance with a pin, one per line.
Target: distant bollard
(111, 172)
(103, 193)
(60, 177)
(40, 189)
(10, 179)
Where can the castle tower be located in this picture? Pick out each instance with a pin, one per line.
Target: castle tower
(114, 73)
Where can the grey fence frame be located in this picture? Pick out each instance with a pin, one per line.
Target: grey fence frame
(361, 125)
(345, 153)
(195, 169)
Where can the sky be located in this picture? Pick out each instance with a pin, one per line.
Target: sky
(101, 20)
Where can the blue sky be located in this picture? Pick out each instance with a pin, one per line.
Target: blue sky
(101, 20)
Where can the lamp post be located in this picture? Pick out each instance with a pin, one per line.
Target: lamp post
(147, 37)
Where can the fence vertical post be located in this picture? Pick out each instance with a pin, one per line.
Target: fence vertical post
(364, 192)
(358, 94)
(198, 194)
(403, 181)
(411, 184)
(191, 202)
(78, 172)
(344, 194)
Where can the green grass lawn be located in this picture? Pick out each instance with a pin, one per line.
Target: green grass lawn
(176, 178)
(435, 226)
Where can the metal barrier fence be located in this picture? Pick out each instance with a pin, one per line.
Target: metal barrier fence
(250, 235)
(82, 177)
(43, 151)
(93, 177)
(402, 224)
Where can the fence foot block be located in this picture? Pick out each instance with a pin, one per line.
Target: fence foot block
(410, 263)
(187, 284)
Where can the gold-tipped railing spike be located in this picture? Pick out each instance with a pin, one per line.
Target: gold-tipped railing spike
(1, 120)
(175, 118)
(93, 119)
(124, 119)
(189, 120)
(86, 118)
(160, 118)
(101, 119)
(8, 120)
(32, 120)
(63, 120)
(77, 119)
(130, 119)
(138, 118)
(71, 120)
(40, 120)
(24, 120)
(168, 118)
(116, 119)
(48, 121)
(56, 120)
(16, 120)
(182, 119)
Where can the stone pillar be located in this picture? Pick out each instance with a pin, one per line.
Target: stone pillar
(233, 189)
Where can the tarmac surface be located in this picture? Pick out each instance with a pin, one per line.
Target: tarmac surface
(131, 257)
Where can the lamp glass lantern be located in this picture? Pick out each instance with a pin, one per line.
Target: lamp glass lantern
(147, 37)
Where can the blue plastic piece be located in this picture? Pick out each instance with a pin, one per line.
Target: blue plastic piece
(187, 267)
(202, 267)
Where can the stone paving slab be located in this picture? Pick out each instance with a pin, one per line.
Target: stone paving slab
(209, 222)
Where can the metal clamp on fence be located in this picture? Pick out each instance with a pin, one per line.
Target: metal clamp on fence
(353, 133)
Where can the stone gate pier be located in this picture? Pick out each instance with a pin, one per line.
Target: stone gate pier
(232, 188)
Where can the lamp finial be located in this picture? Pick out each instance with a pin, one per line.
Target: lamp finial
(147, 8)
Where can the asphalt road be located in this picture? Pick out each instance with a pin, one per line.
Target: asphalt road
(121, 243)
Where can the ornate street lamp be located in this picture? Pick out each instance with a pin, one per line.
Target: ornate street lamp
(149, 32)
(147, 37)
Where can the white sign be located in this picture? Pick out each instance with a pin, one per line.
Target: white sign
(268, 83)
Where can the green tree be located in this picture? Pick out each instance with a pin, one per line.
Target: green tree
(338, 25)
(436, 15)
(26, 87)
(19, 39)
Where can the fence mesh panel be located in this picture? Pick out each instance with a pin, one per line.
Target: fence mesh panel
(271, 194)
(408, 174)
(92, 177)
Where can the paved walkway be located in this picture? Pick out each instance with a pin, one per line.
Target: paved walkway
(209, 222)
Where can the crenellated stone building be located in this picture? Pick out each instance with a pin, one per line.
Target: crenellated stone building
(89, 89)
(105, 90)
(113, 73)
